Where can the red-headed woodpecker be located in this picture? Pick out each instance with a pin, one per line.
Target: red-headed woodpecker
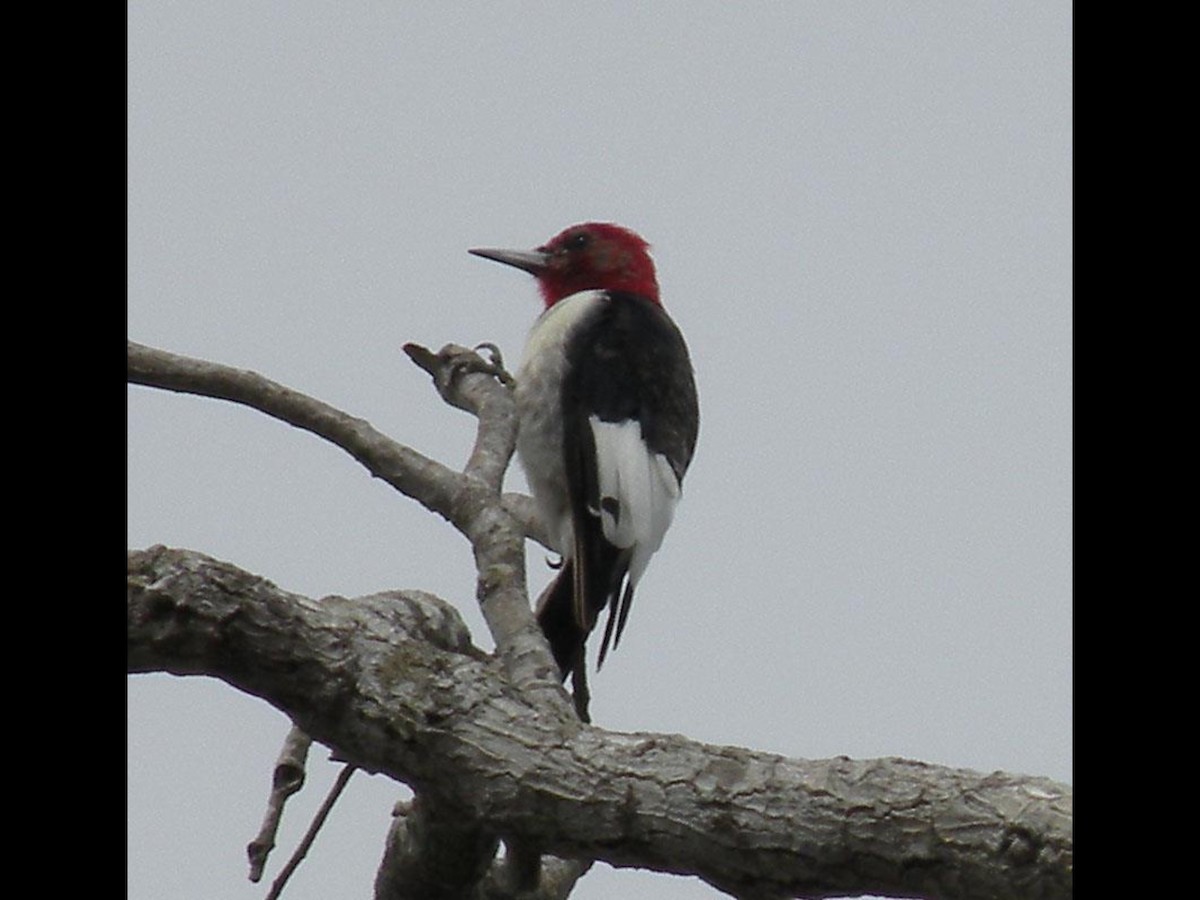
(608, 424)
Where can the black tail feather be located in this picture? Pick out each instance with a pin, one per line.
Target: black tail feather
(556, 616)
(601, 580)
(626, 601)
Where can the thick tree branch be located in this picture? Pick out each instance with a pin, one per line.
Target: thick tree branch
(462, 864)
(393, 684)
(495, 525)
(432, 853)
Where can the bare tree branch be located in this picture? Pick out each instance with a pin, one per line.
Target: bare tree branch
(470, 500)
(287, 779)
(393, 684)
(495, 525)
(466, 381)
(310, 835)
(431, 484)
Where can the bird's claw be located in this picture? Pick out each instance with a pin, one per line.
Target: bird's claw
(464, 361)
(495, 357)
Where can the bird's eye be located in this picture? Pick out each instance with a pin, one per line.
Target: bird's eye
(578, 241)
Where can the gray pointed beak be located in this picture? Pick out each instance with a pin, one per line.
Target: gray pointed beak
(532, 261)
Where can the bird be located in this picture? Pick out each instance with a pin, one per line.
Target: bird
(608, 419)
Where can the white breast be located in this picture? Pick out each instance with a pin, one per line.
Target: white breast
(538, 396)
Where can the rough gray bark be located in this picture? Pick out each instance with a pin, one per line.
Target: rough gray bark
(392, 683)
(490, 744)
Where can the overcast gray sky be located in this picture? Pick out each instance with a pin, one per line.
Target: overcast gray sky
(861, 215)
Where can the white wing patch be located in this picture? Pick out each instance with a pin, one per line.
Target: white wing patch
(638, 491)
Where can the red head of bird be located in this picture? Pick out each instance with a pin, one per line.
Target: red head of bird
(590, 256)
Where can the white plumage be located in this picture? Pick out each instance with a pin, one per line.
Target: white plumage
(539, 389)
(641, 486)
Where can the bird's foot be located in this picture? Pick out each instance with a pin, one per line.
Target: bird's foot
(493, 366)
(449, 364)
